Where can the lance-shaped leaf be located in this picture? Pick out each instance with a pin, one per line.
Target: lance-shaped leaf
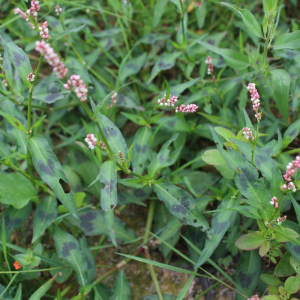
(68, 248)
(288, 41)
(164, 158)
(20, 136)
(219, 225)
(246, 178)
(7, 67)
(19, 197)
(158, 11)
(247, 273)
(291, 133)
(49, 168)
(13, 121)
(264, 163)
(296, 207)
(42, 290)
(91, 268)
(273, 147)
(64, 33)
(140, 150)
(44, 215)
(18, 295)
(232, 58)
(113, 135)
(20, 60)
(281, 86)
(182, 205)
(248, 19)
(133, 66)
(121, 288)
(109, 200)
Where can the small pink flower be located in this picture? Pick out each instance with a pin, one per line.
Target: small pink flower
(44, 31)
(274, 202)
(80, 88)
(113, 99)
(4, 82)
(91, 140)
(167, 102)
(248, 133)
(190, 108)
(210, 66)
(254, 297)
(255, 99)
(58, 10)
(291, 168)
(31, 77)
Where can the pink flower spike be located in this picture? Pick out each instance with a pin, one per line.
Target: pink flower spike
(91, 140)
(190, 108)
(248, 133)
(44, 31)
(210, 66)
(58, 10)
(80, 90)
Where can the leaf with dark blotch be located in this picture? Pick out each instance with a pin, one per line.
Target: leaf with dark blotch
(109, 200)
(281, 81)
(247, 273)
(140, 150)
(164, 158)
(121, 288)
(20, 136)
(15, 218)
(220, 223)
(19, 197)
(44, 215)
(20, 60)
(246, 177)
(7, 67)
(68, 248)
(182, 205)
(264, 163)
(91, 265)
(49, 168)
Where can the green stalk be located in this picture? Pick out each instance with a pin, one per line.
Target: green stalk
(256, 137)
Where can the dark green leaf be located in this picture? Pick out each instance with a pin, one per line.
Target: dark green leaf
(270, 279)
(7, 67)
(291, 133)
(91, 268)
(158, 11)
(284, 268)
(121, 288)
(288, 41)
(48, 167)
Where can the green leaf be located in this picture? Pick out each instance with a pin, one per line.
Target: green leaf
(101, 292)
(121, 288)
(64, 273)
(248, 19)
(13, 121)
(292, 284)
(270, 279)
(134, 118)
(164, 158)
(109, 200)
(155, 297)
(182, 205)
(64, 33)
(219, 225)
(39, 122)
(232, 58)
(287, 231)
(201, 14)
(264, 248)
(19, 197)
(295, 264)
(186, 287)
(271, 297)
(91, 266)
(42, 290)
(68, 248)
(20, 60)
(214, 157)
(296, 207)
(113, 135)
(89, 220)
(281, 85)
(247, 274)
(48, 167)
(246, 178)
(288, 41)
(133, 66)
(165, 62)
(291, 133)
(158, 11)
(250, 241)
(78, 199)
(18, 295)
(7, 67)
(44, 215)
(20, 136)
(283, 268)
(218, 120)
(141, 149)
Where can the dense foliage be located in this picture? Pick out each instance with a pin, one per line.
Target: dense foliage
(140, 129)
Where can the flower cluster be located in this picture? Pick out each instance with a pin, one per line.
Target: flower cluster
(248, 133)
(190, 108)
(113, 99)
(80, 88)
(58, 10)
(274, 202)
(280, 220)
(254, 98)
(91, 140)
(198, 3)
(53, 59)
(210, 66)
(32, 11)
(122, 157)
(290, 186)
(291, 168)
(102, 146)
(44, 31)
(30, 77)
(254, 297)
(167, 102)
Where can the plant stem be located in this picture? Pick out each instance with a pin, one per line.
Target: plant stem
(255, 141)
